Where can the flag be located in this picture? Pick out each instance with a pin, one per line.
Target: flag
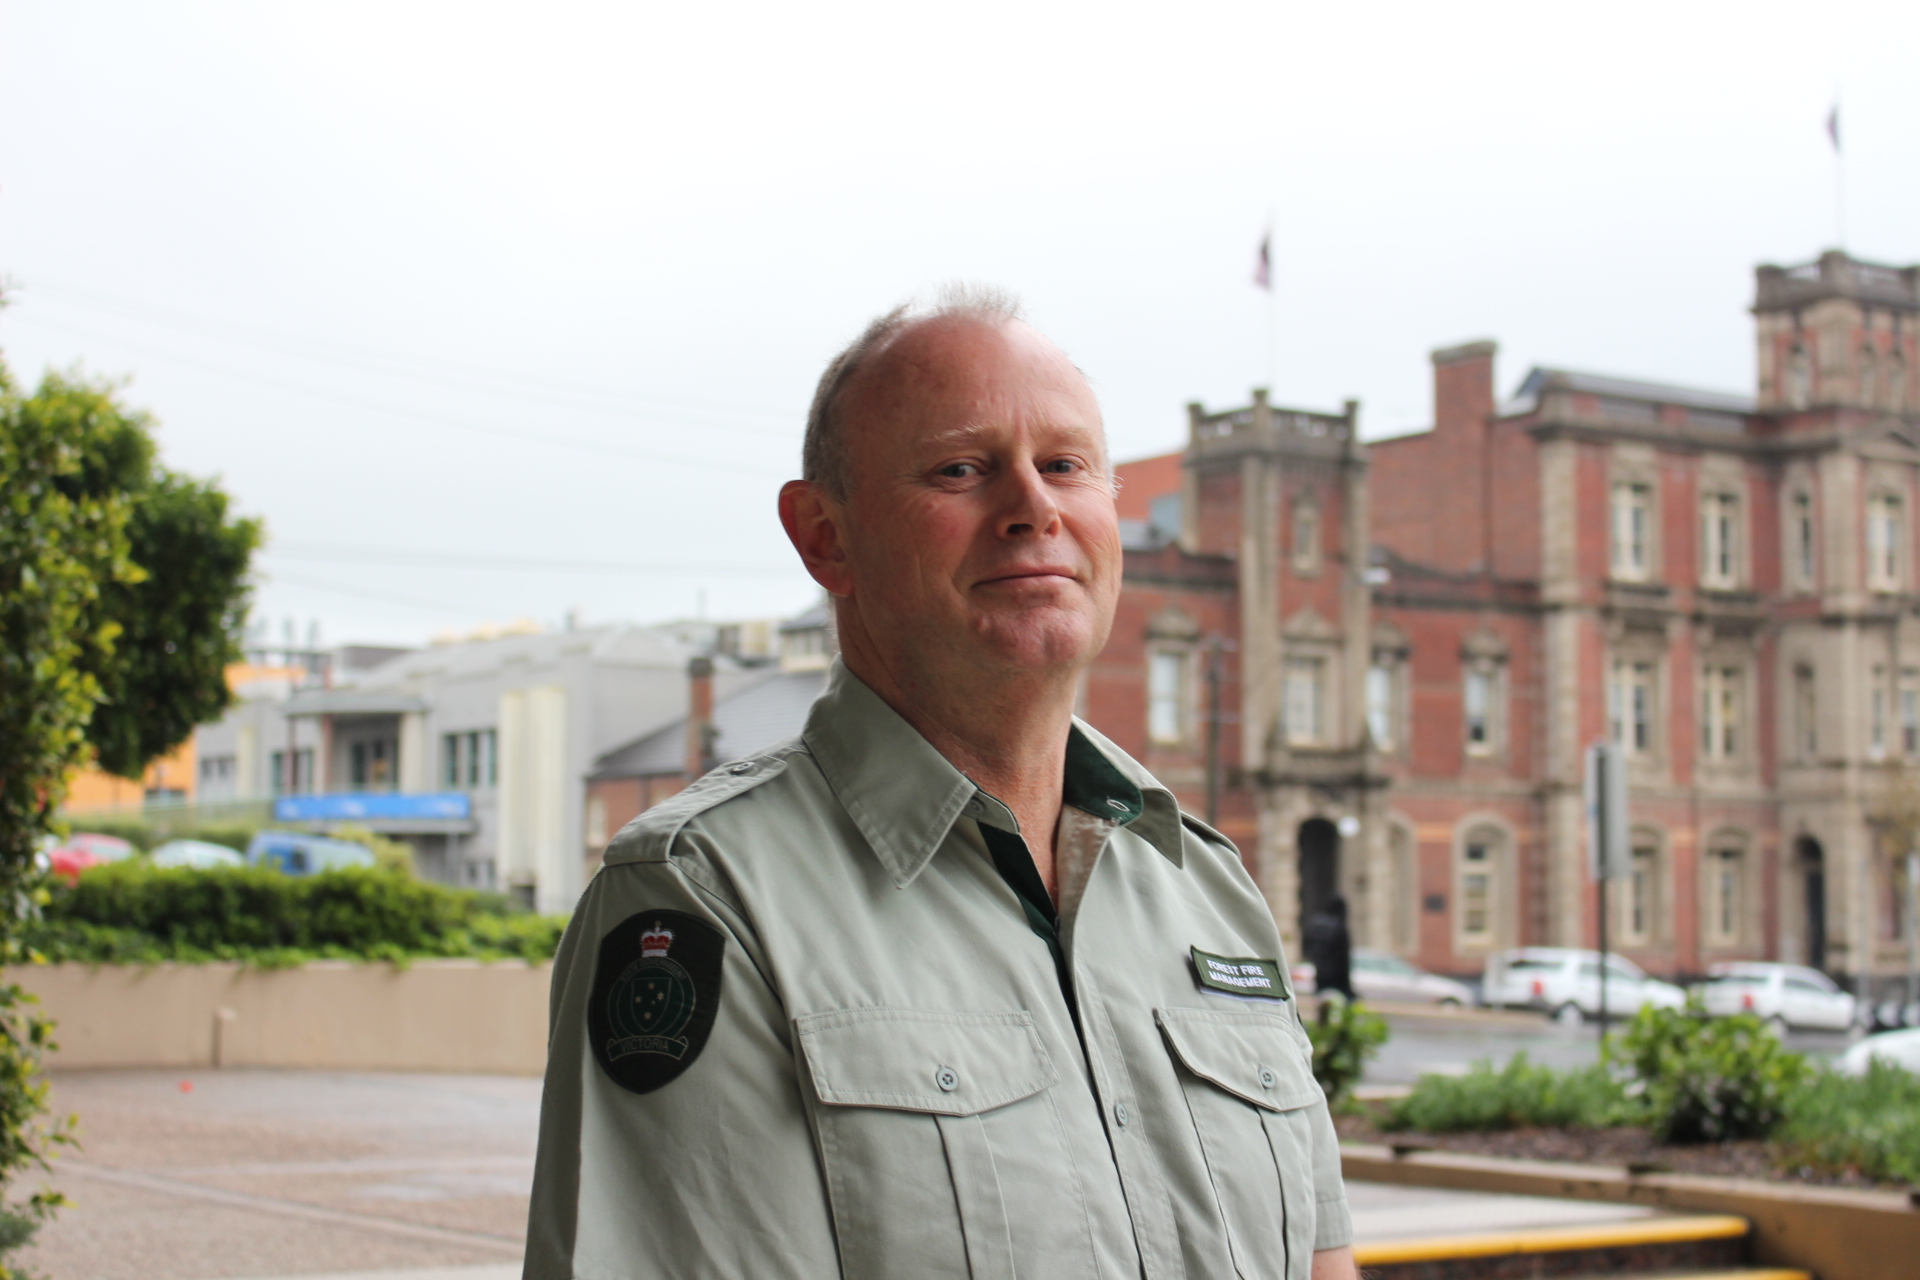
(1263, 265)
(1833, 126)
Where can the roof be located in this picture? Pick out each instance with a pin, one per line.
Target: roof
(1527, 398)
(616, 644)
(766, 712)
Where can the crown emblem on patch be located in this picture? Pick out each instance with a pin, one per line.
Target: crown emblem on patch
(655, 941)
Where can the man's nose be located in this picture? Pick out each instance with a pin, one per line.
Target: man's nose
(1030, 508)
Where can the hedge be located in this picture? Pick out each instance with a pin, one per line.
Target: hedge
(133, 912)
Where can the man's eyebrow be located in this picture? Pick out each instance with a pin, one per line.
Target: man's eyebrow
(968, 432)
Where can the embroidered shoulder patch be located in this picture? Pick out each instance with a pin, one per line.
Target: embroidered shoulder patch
(656, 989)
(1239, 975)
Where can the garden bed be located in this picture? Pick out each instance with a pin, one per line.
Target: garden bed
(1624, 1145)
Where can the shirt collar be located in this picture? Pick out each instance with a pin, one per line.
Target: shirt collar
(904, 796)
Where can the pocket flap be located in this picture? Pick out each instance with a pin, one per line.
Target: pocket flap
(1253, 1055)
(952, 1064)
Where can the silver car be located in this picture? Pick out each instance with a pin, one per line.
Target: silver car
(1381, 975)
(1785, 995)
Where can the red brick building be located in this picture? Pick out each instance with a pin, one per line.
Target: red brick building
(1410, 643)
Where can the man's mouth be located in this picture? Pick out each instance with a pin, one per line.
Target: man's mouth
(1038, 573)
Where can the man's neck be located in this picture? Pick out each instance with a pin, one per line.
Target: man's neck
(1008, 734)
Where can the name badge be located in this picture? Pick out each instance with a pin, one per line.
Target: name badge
(1239, 975)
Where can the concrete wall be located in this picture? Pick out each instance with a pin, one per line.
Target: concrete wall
(437, 1015)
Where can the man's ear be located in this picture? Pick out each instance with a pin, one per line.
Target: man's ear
(815, 525)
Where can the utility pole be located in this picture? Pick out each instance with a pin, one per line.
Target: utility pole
(1913, 926)
(1213, 731)
(1606, 839)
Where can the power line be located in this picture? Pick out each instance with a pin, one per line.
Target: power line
(459, 560)
(408, 601)
(412, 367)
(375, 406)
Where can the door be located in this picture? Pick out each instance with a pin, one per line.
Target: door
(1319, 842)
(1814, 873)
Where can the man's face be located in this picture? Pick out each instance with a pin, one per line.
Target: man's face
(979, 527)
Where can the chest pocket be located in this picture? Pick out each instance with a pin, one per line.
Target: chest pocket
(1247, 1082)
(943, 1150)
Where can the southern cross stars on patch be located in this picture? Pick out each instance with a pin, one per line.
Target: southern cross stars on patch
(656, 989)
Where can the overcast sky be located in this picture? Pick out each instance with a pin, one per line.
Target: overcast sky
(468, 299)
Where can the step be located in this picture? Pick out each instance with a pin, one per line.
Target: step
(1693, 1246)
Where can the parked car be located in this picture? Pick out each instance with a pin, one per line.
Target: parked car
(201, 854)
(1564, 982)
(299, 854)
(1901, 1048)
(84, 849)
(1381, 975)
(1786, 995)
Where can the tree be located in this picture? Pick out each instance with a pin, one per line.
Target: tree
(121, 587)
(179, 625)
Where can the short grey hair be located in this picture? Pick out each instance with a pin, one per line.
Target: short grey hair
(823, 456)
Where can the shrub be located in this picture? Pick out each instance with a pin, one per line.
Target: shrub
(133, 912)
(1864, 1124)
(1519, 1095)
(1707, 1079)
(1344, 1036)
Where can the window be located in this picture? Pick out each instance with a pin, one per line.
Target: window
(1799, 376)
(1720, 688)
(1639, 901)
(1632, 529)
(1479, 710)
(1476, 890)
(1909, 710)
(302, 776)
(1886, 526)
(1726, 894)
(1630, 709)
(370, 764)
(1806, 735)
(1167, 695)
(1800, 533)
(466, 759)
(1306, 535)
(1719, 540)
(1303, 700)
(1877, 696)
(1380, 705)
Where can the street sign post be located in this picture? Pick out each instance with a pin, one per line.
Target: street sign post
(1608, 851)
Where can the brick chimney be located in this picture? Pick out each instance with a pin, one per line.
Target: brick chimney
(700, 728)
(1463, 387)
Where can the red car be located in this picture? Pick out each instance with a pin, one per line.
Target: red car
(85, 849)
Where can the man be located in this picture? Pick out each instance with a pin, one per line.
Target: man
(1329, 946)
(947, 986)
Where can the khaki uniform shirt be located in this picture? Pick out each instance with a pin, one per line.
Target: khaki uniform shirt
(878, 1065)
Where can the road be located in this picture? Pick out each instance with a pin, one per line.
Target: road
(1451, 1044)
(220, 1175)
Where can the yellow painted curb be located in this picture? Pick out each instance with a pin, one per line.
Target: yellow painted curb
(1768, 1273)
(1612, 1235)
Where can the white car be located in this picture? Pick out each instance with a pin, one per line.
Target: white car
(1785, 995)
(1380, 975)
(1900, 1048)
(1565, 983)
(196, 853)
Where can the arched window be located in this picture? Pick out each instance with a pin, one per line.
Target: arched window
(1724, 891)
(1640, 898)
(1481, 886)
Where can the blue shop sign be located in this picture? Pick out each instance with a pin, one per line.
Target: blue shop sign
(374, 806)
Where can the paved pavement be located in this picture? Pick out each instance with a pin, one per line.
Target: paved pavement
(255, 1174)
(274, 1173)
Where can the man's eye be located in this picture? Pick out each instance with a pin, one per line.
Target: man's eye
(1061, 466)
(959, 470)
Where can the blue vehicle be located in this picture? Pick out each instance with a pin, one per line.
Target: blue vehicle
(299, 854)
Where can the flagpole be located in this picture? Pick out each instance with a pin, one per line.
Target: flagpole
(1839, 174)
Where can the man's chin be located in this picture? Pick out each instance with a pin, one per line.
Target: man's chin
(1036, 639)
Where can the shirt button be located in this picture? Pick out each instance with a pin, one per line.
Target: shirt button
(1267, 1078)
(974, 805)
(947, 1078)
(1121, 1115)
(740, 767)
